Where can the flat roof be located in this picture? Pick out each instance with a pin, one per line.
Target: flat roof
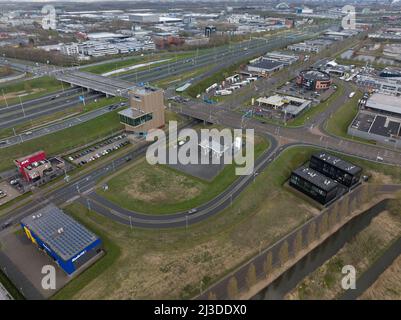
(337, 162)
(29, 156)
(316, 178)
(275, 100)
(61, 233)
(384, 102)
(267, 64)
(315, 75)
(132, 113)
(383, 126)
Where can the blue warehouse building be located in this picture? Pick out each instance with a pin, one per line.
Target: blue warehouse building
(65, 240)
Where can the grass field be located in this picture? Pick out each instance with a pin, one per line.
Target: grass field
(54, 117)
(174, 264)
(179, 79)
(60, 141)
(217, 77)
(75, 136)
(161, 189)
(107, 67)
(361, 252)
(28, 89)
(9, 286)
(313, 111)
(341, 119)
(387, 286)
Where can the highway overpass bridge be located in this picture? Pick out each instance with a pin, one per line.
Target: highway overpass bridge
(108, 86)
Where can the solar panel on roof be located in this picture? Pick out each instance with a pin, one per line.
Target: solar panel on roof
(60, 232)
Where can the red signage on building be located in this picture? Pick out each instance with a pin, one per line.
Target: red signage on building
(24, 162)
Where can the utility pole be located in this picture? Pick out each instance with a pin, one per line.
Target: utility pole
(4, 96)
(22, 107)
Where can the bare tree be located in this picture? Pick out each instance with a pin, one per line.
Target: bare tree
(311, 232)
(283, 253)
(298, 242)
(211, 296)
(344, 211)
(268, 264)
(232, 287)
(251, 276)
(332, 218)
(323, 225)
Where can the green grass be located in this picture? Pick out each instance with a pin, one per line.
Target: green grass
(161, 179)
(107, 67)
(33, 88)
(179, 79)
(217, 77)
(14, 201)
(321, 107)
(78, 109)
(63, 140)
(171, 263)
(339, 122)
(10, 287)
(341, 119)
(111, 249)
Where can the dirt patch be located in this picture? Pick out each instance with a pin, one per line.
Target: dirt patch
(381, 178)
(12, 95)
(157, 184)
(361, 252)
(387, 286)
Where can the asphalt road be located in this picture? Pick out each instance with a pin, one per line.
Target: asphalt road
(225, 56)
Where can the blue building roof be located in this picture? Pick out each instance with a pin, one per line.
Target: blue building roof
(61, 233)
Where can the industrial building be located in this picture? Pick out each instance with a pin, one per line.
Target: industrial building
(335, 168)
(209, 31)
(66, 241)
(332, 67)
(379, 119)
(304, 47)
(146, 111)
(291, 106)
(382, 84)
(314, 184)
(144, 17)
(314, 80)
(265, 66)
(384, 103)
(286, 59)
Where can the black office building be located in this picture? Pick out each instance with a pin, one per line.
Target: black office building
(314, 184)
(210, 30)
(335, 168)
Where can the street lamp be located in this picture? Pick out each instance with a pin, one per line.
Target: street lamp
(22, 107)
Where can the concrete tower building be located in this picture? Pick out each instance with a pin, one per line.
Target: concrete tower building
(146, 111)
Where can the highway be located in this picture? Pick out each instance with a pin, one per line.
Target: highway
(225, 56)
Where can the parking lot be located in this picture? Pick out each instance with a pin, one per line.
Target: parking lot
(292, 89)
(99, 150)
(23, 263)
(9, 192)
(203, 171)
